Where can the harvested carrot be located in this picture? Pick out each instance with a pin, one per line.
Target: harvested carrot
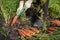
(24, 32)
(27, 34)
(52, 28)
(21, 33)
(57, 22)
(14, 20)
(34, 29)
(29, 31)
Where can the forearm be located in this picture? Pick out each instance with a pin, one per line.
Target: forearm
(21, 3)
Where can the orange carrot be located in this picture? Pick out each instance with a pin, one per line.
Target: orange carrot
(24, 32)
(14, 20)
(35, 30)
(21, 33)
(52, 28)
(29, 31)
(27, 34)
(57, 22)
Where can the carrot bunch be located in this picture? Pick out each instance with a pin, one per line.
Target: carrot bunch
(21, 32)
(56, 22)
(27, 32)
(34, 29)
(24, 33)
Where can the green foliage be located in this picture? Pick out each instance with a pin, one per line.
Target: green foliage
(54, 8)
(8, 8)
(43, 1)
(2, 31)
(44, 36)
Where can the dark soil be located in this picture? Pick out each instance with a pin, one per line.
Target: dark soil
(2, 37)
(13, 33)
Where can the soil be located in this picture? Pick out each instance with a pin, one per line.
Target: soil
(2, 37)
(13, 33)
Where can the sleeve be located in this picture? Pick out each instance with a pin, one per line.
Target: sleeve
(28, 4)
(21, 3)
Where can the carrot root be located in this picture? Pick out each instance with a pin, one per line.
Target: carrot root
(56, 22)
(14, 20)
(21, 33)
(52, 28)
(29, 31)
(24, 32)
(35, 30)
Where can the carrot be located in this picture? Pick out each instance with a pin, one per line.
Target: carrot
(52, 28)
(57, 22)
(34, 29)
(24, 32)
(29, 31)
(14, 20)
(21, 33)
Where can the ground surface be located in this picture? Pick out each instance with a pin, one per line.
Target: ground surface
(7, 32)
